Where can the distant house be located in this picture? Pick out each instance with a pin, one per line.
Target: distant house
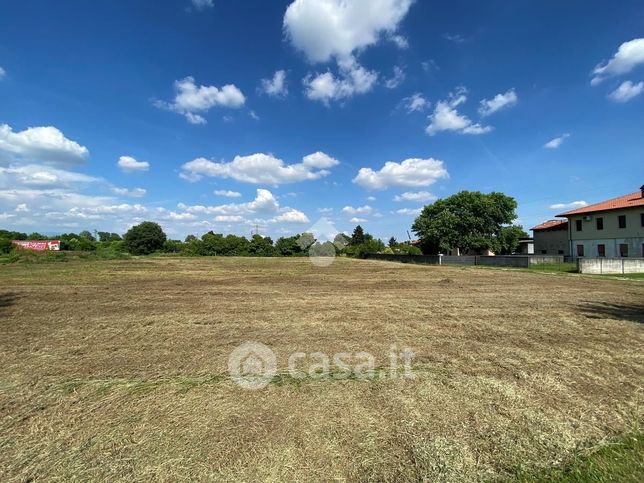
(551, 238)
(612, 228)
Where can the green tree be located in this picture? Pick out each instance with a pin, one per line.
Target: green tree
(104, 236)
(5, 245)
(144, 238)
(392, 243)
(358, 236)
(468, 220)
(261, 246)
(509, 239)
(87, 235)
(288, 246)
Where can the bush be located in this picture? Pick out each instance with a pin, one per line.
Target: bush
(5, 245)
(144, 238)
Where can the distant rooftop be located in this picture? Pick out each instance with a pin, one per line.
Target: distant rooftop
(550, 224)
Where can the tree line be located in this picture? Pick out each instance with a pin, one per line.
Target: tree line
(469, 221)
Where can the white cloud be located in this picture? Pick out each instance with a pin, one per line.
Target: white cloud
(325, 211)
(446, 118)
(5, 216)
(3, 73)
(353, 79)
(132, 193)
(626, 91)
(229, 218)
(275, 87)
(43, 144)
(397, 79)
(573, 204)
(456, 38)
(38, 176)
(192, 99)
(498, 102)
(22, 208)
(291, 216)
(254, 115)
(400, 41)
(261, 168)
(414, 172)
(355, 219)
(409, 211)
(556, 142)
(203, 4)
(371, 198)
(227, 193)
(415, 196)
(628, 56)
(360, 210)
(128, 164)
(415, 102)
(324, 29)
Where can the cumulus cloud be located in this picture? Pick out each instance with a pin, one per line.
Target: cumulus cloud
(22, 208)
(352, 79)
(356, 219)
(447, 118)
(324, 29)
(456, 38)
(415, 102)
(415, 196)
(397, 79)
(498, 102)
(44, 144)
(628, 56)
(556, 142)
(414, 172)
(3, 73)
(128, 164)
(291, 216)
(132, 193)
(228, 193)
(191, 100)
(626, 91)
(571, 205)
(360, 210)
(261, 168)
(275, 87)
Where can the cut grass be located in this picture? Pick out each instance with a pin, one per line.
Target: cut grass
(117, 370)
(621, 460)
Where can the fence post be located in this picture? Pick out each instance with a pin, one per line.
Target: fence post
(440, 258)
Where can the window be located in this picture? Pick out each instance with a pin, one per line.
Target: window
(561, 252)
(600, 223)
(580, 250)
(623, 250)
(601, 250)
(578, 225)
(621, 221)
(544, 252)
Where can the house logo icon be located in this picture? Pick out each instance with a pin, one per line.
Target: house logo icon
(252, 365)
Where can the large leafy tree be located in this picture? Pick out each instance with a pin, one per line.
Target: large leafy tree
(468, 220)
(509, 239)
(144, 238)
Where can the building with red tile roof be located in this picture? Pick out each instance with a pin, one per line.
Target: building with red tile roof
(611, 228)
(551, 238)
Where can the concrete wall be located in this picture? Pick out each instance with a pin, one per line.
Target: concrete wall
(611, 236)
(553, 242)
(519, 261)
(601, 265)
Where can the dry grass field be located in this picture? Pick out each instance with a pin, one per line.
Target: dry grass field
(117, 370)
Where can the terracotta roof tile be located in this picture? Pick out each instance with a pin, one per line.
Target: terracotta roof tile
(550, 224)
(627, 201)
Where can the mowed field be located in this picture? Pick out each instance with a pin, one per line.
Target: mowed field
(117, 370)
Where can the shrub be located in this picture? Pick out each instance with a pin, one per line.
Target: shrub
(5, 245)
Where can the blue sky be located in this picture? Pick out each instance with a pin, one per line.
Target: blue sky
(223, 115)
